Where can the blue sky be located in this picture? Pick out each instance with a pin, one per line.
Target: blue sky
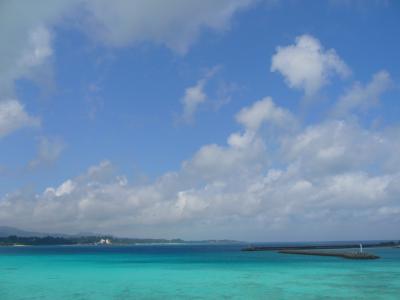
(140, 119)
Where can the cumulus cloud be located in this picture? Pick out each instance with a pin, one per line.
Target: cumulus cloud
(26, 30)
(38, 49)
(20, 57)
(335, 146)
(65, 188)
(26, 26)
(49, 150)
(175, 24)
(307, 65)
(262, 111)
(26, 45)
(195, 95)
(261, 184)
(335, 174)
(13, 117)
(363, 97)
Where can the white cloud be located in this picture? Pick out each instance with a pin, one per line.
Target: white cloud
(257, 186)
(338, 146)
(175, 23)
(20, 56)
(363, 97)
(307, 65)
(26, 39)
(25, 29)
(49, 150)
(39, 48)
(14, 117)
(264, 110)
(195, 96)
(65, 188)
(262, 184)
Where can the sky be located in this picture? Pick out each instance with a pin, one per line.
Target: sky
(255, 120)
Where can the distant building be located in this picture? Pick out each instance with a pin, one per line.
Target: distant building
(104, 242)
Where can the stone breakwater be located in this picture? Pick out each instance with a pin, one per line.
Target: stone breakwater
(321, 247)
(348, 255)
(339, 250)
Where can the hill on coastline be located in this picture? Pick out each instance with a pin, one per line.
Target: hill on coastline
(6, 231)
(14, 236)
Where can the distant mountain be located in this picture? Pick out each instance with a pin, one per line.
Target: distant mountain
(85, 238)
(7, 231)
(85, 233)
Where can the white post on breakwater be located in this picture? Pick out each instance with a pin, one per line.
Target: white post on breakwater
(361, 248)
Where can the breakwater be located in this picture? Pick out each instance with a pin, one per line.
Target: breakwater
(348, 255)
(321, 247)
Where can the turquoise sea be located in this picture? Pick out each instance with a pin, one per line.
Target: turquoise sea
(191, 272)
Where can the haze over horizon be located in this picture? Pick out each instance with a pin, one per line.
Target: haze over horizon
(201, 119)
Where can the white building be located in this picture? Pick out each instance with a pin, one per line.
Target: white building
(105, 242)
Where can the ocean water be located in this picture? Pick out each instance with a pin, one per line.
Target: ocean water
(191, 272)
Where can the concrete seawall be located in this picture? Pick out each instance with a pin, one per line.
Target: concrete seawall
(347, 255)
(319, 247)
